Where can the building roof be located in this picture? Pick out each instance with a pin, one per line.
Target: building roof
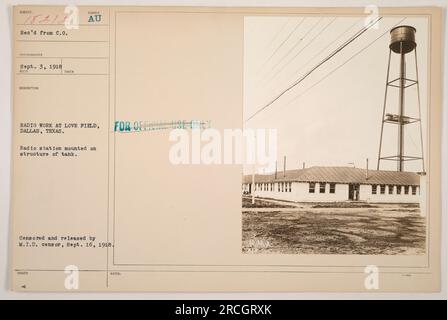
(340, 175)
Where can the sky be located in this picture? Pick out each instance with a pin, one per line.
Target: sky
(333, 117)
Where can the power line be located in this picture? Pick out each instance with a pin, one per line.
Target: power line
(344, 63)
(278, 33)
(329, 44)
(354, 37)
(297, 43)
(358, 34)
(283, 42)
(308, 44)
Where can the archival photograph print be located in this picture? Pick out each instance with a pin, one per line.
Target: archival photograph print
(348, 98)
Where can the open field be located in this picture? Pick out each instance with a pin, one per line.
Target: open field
(387, 229)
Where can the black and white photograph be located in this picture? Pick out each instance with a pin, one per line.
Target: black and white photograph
(347, 96)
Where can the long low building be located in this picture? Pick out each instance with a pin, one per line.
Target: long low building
(331, 184)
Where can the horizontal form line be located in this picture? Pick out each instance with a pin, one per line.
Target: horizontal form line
(23, 40)
(60, 24)
(219, 271)
(63, 74)
(37, 57)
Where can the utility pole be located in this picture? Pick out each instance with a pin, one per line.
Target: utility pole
(284, 172)
(276, 169)
(253, 186)
(367, 173)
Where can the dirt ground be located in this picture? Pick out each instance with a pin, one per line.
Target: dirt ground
(259, 203)
(342, 229)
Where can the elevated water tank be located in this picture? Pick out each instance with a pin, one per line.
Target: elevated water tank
(403, 36)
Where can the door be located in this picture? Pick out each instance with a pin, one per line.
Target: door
(354, 192)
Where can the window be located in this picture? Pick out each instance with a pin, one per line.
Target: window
(311, 187)
(390, 189)
(399, 189)
(286, 186)
(322, 187)
(374, 189)
(406, 189)
(290, 186)
(382, 189)
(332, 188)
(413, 190)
